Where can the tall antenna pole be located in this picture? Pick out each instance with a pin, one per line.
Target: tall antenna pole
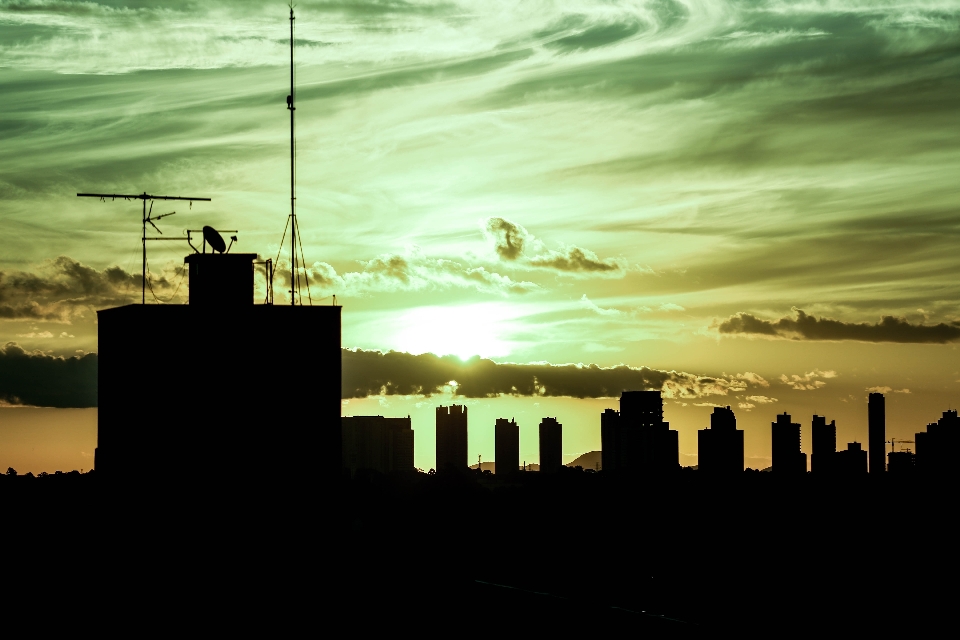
(143, 241)
(293, 160)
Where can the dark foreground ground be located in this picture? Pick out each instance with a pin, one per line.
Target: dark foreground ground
(575, 554)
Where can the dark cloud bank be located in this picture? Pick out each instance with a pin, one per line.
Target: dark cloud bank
(806, 327)
(367, 373)
(38, 379)
(64, 287)
(42, 380)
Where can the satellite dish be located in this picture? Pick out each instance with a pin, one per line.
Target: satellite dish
(213, 238)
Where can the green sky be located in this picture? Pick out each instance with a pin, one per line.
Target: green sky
(735, 191)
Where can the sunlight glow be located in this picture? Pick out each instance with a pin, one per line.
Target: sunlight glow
(463, 330)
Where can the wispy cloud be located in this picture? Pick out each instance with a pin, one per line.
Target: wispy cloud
(808, 381)
(412, 272)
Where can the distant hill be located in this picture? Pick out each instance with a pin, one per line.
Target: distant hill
(589, 460)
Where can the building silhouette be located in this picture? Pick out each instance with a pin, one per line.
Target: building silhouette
(204, 374)
(824, 445)
(876, 432)
(551, 445)
(609, 440)
(452, 438)
(901, 462)
(720, 447)
(642, 441)
(939, 445)
(787, 459)
(376, 443)
(852, 462)
(506, 447)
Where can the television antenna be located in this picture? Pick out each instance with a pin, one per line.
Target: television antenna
(292, 219)
(147, 219)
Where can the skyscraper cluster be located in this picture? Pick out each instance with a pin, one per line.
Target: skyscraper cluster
(636, 440)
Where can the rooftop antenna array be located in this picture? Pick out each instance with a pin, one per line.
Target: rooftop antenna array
(295, 289)
(147, 219)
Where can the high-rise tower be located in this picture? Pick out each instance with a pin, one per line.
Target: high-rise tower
(642, 441)
(452, 438)
(876, 432)
(720, 448)
(824, 445)
(506, 447)
(551, 445)
(785, 445)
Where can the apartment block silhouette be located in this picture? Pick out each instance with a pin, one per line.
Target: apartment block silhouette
(506, 447)
(720, 448)
(785, 441)
(851, 462)
(636, 439)
(937, 447)
(551, 445)
(824, 445)
(452, 438)
(376, 443)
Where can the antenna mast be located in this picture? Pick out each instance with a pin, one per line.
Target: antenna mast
(293, 193)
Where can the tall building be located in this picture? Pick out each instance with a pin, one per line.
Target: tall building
(609, 440)
(876, 432)
(452, 438)
(824, 445)
(189, 389)
(506, 447)
(852, 462)
(785, 437)
(720, 448)
(901, 462)
(376, 443)
(642, 441)
(551, 445)
(938, 447)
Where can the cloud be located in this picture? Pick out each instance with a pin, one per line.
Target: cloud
(575, 260)
(808, 381)
(753, 378)
(38, 379)
(64, 287)
(879, 389)
(511, 241)
(508, 238)
(760, 399)
(586, 303)
(35, 335)
(805, 327)
(372, 373)
(886, 390)
(413, 272)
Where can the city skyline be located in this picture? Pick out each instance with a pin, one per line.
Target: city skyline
(731, 195)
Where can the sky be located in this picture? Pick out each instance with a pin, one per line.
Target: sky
(750, 204)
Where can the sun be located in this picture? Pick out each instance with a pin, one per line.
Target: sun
(461, 330)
